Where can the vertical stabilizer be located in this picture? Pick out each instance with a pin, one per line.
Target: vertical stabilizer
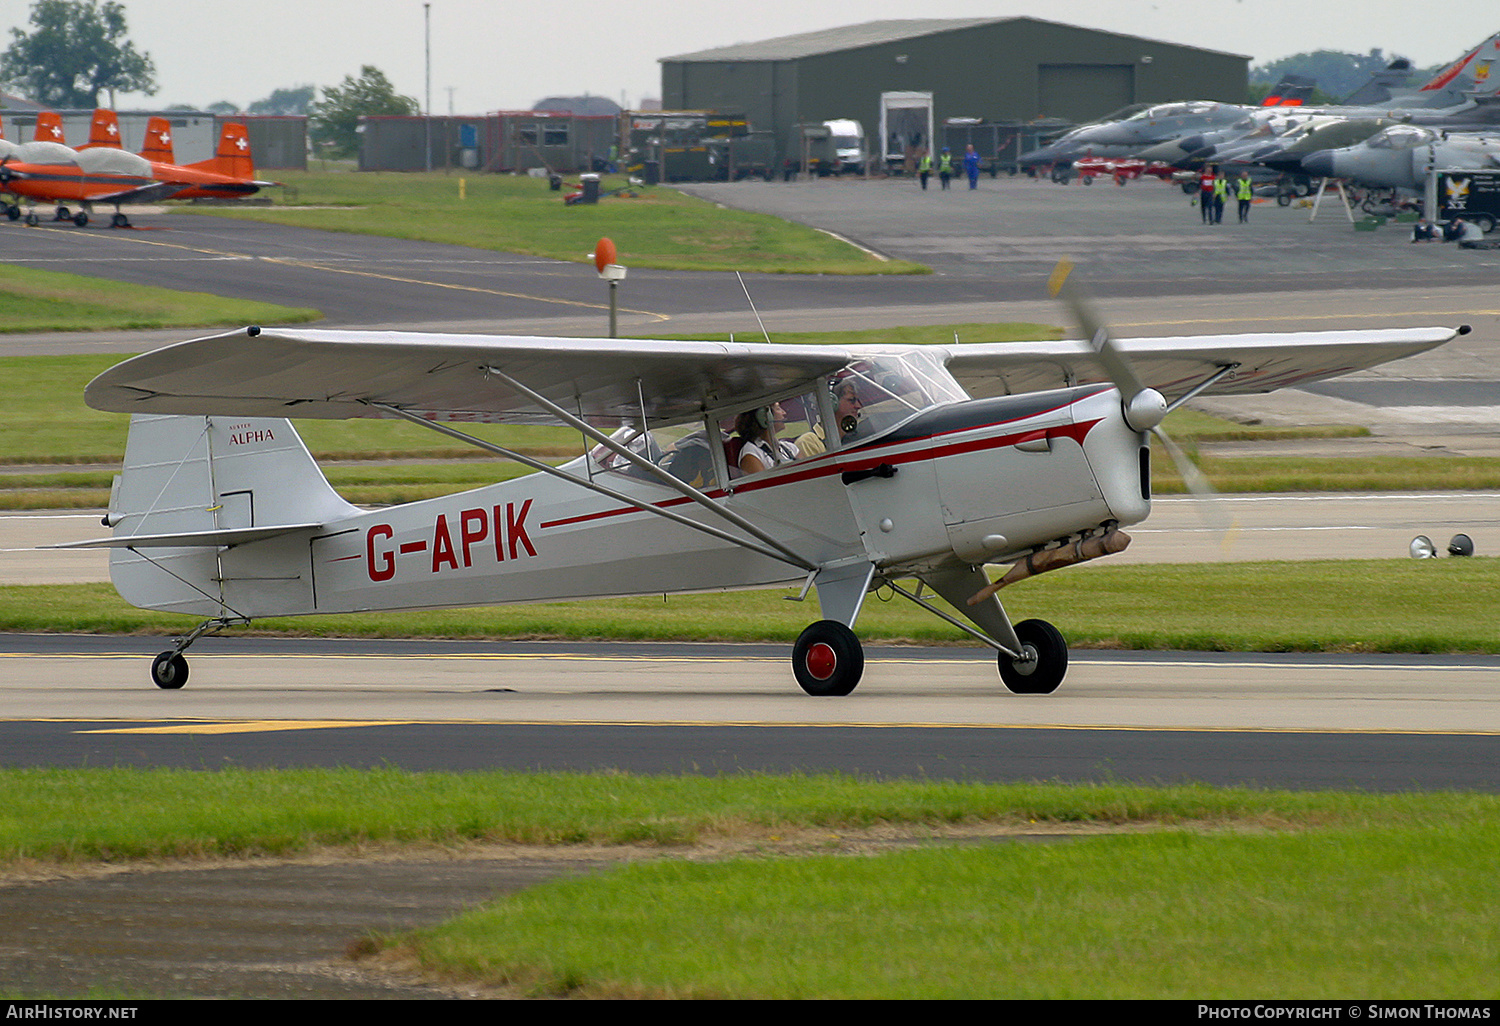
(159, 141)
(104, 130)
(49, 126)
(232, 158)
(193, 475)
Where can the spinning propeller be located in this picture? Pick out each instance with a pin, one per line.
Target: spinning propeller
(1144, 407)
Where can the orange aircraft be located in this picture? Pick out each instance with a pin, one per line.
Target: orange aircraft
(229, 172)
(47, 171)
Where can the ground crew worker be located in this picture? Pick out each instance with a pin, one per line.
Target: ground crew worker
(924, 168)
(945, 167)
(1221, 193)
(1243, 191)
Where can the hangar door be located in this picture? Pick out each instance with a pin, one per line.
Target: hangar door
(1081, 92)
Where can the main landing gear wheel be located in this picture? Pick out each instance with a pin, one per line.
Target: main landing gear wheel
(32, 220)
(828, 659)
(119, 221)
(169, 671)
(1045, 663)
(81, 219)
(12, 211)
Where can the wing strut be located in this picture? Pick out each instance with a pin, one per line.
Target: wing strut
(787, 555)
(593, 486)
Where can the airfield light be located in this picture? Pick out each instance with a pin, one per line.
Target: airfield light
(1422, 548)
(604, 262)
(1461, 545)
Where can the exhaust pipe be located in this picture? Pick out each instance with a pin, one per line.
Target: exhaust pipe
(1084, 549)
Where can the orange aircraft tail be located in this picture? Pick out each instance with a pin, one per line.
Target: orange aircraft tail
(104, 129)
(49, 127)
(233, 155)
(159, 141)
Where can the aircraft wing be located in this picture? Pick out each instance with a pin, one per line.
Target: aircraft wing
(342, 374)
(1172, 366)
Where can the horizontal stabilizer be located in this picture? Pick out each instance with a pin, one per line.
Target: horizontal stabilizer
(187, 539)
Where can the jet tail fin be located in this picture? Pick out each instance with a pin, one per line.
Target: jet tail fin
(223, 509)
(233, 154)
(158, 141)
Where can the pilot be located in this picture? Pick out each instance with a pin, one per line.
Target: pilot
(846, 413)
(759, 449)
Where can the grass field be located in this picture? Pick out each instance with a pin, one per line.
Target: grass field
(1170, 892)
(652, 227)
(32, 300)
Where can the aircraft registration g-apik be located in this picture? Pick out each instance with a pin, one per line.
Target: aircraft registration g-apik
(875, 464)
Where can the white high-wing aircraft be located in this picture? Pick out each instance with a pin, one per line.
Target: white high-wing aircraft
(939, 459)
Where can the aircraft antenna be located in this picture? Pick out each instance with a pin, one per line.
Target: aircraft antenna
(764, 333)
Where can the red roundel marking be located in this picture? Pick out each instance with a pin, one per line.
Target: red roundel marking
(822, 660)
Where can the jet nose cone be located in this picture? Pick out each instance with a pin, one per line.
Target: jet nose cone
(1319, 164)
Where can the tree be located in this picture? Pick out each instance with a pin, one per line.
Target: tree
(1337, 74)
(335, 118)
(295, 100)
(77, 50)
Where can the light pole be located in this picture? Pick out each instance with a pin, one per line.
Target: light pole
(427, 121)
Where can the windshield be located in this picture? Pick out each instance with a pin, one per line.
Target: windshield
(1402, 137)
(890, 388)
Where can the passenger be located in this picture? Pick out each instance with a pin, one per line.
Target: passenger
(759, 449)
(846, 413)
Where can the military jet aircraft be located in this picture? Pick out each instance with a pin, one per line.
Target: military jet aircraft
(1399, 157)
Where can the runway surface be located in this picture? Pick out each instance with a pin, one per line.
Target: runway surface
(1385, 723)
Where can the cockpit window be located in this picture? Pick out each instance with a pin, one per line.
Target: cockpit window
(1402, 137)
(867, 397)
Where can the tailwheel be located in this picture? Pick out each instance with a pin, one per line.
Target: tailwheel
(828, 659)
(169, 671)
(1044, 662)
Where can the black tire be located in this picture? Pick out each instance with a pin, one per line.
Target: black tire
(1189, 188)
(828, 659)
(32, 220)
(1283, 199)
(1041, 675)
(169, 671)
(1485, 222)
(119, 221)
(1088, 179)
(12, 211)
(81, 219)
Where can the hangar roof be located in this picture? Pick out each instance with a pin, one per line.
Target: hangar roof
(871, 33)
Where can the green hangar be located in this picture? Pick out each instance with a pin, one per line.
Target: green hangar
(1013, 70)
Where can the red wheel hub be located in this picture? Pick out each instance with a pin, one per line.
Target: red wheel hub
(822, 660)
